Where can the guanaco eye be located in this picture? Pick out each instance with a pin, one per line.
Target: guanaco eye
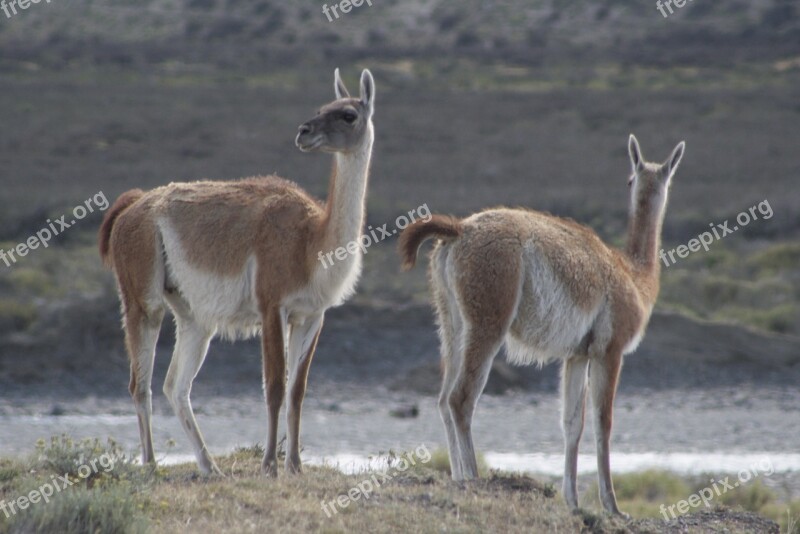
(349, 117)
(630, 181)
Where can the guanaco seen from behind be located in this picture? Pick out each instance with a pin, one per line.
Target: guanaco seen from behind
(548, 289)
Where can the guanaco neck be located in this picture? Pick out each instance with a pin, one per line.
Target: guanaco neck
(345, 206)
(643, 244)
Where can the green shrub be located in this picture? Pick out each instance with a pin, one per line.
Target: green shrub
(775, 259)
(31, 281)
(781, 319)
(786, 514)
(110, 509)
(764, 303)
(64, 456)
(93, 487)
(15, 315)
(752, 497)
(651, 485)
(440, 461)
(9, 470)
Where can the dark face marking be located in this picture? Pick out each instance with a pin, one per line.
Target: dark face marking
(337, 127)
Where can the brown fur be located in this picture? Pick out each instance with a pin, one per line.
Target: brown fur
(522, 278)
(132, 253)
(440, 226)
(238, 257)
(266, 216)
(104, 235)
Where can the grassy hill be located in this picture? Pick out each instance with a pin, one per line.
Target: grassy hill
(238, 32)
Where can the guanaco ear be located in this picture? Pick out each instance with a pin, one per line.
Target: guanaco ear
(338, 86)
(368, 90)
(635, 153)
(674, 159)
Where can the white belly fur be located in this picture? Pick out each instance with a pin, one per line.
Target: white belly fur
(548, 325)
(228, 304)
(224, 304)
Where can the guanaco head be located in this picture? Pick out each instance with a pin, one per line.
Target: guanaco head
(649, 182)
(342, 125)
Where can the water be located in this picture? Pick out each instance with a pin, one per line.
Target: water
(686, 463)
(684, 432)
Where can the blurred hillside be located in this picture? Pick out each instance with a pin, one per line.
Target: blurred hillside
(479, 103)
(235, 32)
